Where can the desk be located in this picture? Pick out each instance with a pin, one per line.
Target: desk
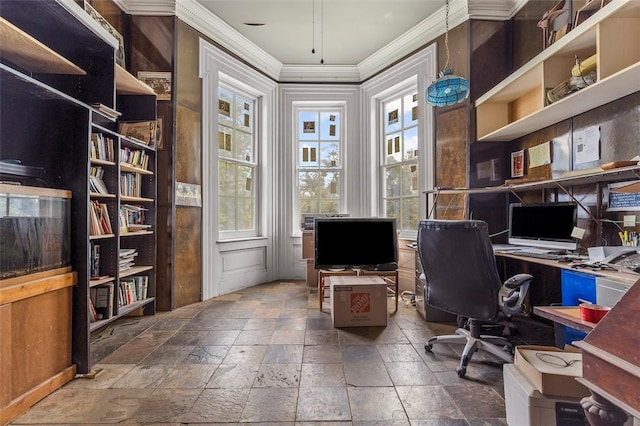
(565, 315)
(626, 277)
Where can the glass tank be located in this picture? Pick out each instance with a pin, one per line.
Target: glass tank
(34, 229)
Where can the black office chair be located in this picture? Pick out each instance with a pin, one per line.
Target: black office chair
(462, 278)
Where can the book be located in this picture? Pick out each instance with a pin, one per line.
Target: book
(95, 260)
(102, 298)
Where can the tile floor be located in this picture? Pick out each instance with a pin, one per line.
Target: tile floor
(267, 355)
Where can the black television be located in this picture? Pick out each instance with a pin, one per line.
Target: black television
(545, 225)
(350, 242)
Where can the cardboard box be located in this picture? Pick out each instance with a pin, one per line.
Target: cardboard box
(547, 378)
(526, 406)
(358, 301)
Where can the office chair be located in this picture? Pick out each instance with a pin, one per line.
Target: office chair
(462, 278)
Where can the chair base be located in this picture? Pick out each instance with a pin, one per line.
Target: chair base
(492, 344)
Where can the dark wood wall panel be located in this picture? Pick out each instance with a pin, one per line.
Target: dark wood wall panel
(187, 258)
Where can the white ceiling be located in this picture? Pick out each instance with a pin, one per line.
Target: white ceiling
(356, 38)
(345, 32)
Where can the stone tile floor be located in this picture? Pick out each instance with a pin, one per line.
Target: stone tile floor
(267, 355)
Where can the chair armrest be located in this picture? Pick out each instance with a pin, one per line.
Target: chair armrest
(517, 280)
(513, 292)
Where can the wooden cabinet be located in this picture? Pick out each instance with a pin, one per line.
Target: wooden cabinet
(519, 105)
(59, 85)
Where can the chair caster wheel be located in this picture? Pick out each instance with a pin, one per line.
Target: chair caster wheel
(461, 372)
(428, 347)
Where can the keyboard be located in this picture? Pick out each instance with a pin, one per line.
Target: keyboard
(537, 255)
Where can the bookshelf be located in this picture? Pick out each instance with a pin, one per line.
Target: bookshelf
(518, 105)
(59, 85)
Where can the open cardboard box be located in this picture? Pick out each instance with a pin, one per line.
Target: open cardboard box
(547, 378)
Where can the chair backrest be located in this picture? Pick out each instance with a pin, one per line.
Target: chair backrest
(460, 267)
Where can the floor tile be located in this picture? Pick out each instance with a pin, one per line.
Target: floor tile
(267, 355)
(375, 404)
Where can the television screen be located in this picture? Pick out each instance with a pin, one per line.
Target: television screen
(368, 243)
(546, 225)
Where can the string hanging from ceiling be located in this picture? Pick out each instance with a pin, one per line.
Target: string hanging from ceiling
(322, 31)
(313, 26)
(448, 89)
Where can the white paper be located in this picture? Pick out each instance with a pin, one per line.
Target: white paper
(540, 155)
(586, 145)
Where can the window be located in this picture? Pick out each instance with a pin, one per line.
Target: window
(237, 163)
(400, 159)
(319, 164)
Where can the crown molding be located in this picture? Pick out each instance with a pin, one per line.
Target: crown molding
(147, 7)
(319, 74)
(414, 39)
(494, 10)
(198, 17)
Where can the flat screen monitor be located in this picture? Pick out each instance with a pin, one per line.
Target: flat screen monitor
(545, 225)
(368, 243)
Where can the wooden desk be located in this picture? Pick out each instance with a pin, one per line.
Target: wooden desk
(565, 315)
(626, 277)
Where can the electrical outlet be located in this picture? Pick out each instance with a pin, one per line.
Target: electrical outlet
(629, 220)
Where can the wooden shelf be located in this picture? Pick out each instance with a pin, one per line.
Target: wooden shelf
(100, 195)
(136, 199)
(122, 310)
(517, 106)
(28, 53)
(125, 167)
(102, 162)
(127, 84)
(101, 237)
(93, 283)
(135, 233)
(136, 270)
(613, 175)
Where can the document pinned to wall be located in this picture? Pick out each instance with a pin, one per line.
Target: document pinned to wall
(586, 145)
(540, 155)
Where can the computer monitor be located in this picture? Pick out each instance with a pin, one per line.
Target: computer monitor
(368, 243)
(545, 225)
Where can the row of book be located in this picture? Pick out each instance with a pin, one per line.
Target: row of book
(132, 218)
(101, 297)
(99, 221)
(134, 157)
(131, 184)
(102, 147)
(133, 289)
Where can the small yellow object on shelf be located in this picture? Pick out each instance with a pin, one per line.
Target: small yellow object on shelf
(583, 67)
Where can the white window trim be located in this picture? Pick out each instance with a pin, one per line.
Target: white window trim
(215, 63)
(422, 68)
(320, 107)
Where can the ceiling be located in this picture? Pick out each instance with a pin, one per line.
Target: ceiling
(343, 32)
(355, 38)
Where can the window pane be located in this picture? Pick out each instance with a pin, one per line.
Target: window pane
(308, 155)
(410, 142)
(243, 146)
(410, 107)
(410, 213)
(329, 207)
(245, 214)
(393, 148)
(244, 114)
(393, 210)
(329, 126)
(308, 126)
(392, 116)
(225, 144)
(393, 178)
(225, 106)
(245, 181)
(329, 155)
(227, 213)
(227, 179)
(409, 179)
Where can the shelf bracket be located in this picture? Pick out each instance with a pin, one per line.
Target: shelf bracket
(595, 219)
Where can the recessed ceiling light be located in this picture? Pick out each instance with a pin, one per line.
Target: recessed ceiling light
(253, 24)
